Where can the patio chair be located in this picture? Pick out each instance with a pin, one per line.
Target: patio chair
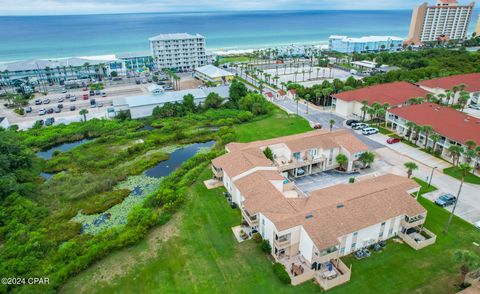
(377, 247)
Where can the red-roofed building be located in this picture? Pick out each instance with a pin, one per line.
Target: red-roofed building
(454, 127)
(349, 104)
(291, 94)
(440, 85)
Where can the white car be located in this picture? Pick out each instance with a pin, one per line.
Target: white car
(360, 126)
(369, 131)
(474, 106)
(42, 111)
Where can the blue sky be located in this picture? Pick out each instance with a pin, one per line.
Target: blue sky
(40, 7)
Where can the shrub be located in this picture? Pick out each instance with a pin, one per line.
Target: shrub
(281, 273)
(268, 153)
(257, 237)
(244, 116)
(265, 246)
(351, 180)
(19, 111)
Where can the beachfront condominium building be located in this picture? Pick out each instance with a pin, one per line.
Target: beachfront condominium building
(310, 230)
(345, 44)
(178, 51)
(447, 20)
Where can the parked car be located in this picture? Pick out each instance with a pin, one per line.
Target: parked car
(360, 126)
(61, 99)
(50, 110)
(38, 101)
(85, 89)
(49, 121)
(73, 98)
(42, 111)
(85, 96)
(60, 105)
(67, 96)
(351, 121)
(57, 110)
(98, 92)
(104, 94)
(99, 104)
(137, 82)
(28, 109)
(46, 101)
(474, 106)
(317, 126)
(393, 140)
(72, 108)
(92, 93)
(93, 105)
(369, 131)
(40, 122)
(446, 200)
(64, 90)
(92, 102)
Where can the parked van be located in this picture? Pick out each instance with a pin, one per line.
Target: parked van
(369, 131)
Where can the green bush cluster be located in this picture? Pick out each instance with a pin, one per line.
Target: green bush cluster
(281, 273)
(265, 247)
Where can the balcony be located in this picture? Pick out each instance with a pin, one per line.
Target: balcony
(332, 253)
(334, 274)
(418, 238)
(281, 242)
(411, 222)
(285, 164)
(217, 172)
(251, 220)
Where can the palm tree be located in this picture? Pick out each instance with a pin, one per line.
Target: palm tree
(435, 138)
(364, 109)
(307, 99)
(297, 100)
(341, 159)
(411, 166)
(470, 144)
(477, 150)
(367, 158)
(331, 122)
(455, 152)
(469, 260)
(464, 169)
(411, 126)
(441, 97)
(84, 113)
(427, 130)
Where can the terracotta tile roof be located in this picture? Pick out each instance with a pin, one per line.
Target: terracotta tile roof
(472, 82)
(269, 94)
(347, 208)
(245, 156)
(392, 93)
(446, 121)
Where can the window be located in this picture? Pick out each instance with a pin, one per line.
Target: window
(296, 155)
(354, 245)
(390, 232)
(355, 234)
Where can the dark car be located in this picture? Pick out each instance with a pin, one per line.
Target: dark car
(57, 110)
(92, 93)
(40, 122)
(50, 110)
(317, 126)
(60, 106)
(38, 101)
(49, 121)
(92, 102)
(72, 108)
(28, 109)
(352, 121)
(446, 200)
(98, 92)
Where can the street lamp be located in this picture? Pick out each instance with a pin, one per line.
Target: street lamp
(431, 175)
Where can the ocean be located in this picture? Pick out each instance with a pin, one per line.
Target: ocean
(26, 37)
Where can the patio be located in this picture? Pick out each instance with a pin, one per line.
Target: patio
(333, 274)
(241, 233)
(418, 239)
(322, 180)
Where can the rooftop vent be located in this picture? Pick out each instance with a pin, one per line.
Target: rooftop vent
(340, 206)
(309, 216)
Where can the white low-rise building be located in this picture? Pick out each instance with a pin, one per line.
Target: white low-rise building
(467, 82)
(143, 105)
(212, 74)
(308, 233)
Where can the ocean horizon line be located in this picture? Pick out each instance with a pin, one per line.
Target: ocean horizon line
(208, 11)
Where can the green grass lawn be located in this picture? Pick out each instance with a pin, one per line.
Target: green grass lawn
(203, 256)
(278, 124)
(454, 172)
(224, 60)
(424, 186)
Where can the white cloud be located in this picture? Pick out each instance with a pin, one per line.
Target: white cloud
(37, 7)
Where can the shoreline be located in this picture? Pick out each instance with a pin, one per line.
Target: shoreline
(220, 51)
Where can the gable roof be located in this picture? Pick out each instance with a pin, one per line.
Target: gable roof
(392, 93)
(245, 156)
(445, 121)
(471, 81)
